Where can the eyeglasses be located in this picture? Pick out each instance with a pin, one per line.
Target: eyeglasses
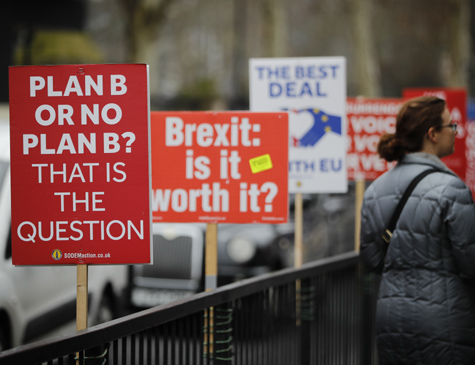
(453, 126)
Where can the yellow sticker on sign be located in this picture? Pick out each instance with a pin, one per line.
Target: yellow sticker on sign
(261, 163)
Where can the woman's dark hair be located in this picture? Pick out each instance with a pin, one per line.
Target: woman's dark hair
(413, 121)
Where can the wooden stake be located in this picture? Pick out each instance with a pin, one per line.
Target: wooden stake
(81, 303)
(298, 252)
(211, 282)
(359, 192)
(211, 262)
(298, 244)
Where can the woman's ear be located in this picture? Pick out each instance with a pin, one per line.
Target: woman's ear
(432, 134)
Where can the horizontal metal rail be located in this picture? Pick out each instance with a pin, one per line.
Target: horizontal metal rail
(216, 327)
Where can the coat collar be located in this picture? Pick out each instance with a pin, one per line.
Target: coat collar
(422, 158)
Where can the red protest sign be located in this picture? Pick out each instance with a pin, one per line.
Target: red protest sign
(470, 151)
(457, 104)
(80, 164)
(368, 119)
(216, 167)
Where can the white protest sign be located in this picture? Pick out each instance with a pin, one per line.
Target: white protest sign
(313, 91)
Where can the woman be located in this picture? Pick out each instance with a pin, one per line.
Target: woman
(426, 306)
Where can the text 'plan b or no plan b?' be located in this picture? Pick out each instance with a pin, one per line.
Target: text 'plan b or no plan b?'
(80, 163)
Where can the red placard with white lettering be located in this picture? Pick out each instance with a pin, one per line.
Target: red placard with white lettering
(80, 164)
(457, 104)
(470, 151)
(216, 167)
(368, 119)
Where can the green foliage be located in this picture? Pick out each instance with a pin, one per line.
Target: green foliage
(198, 96)
(59, 47)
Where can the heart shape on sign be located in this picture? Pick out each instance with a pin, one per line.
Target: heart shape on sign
(308, 126)
(300, 122)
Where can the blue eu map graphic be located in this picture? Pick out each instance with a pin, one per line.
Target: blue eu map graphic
(322, 124)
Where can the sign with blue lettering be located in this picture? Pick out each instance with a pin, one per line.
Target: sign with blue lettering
(313, 92)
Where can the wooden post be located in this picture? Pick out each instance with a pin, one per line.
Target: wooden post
(359, 192)
(81, 304)
(211, 262)
(298, 251)
(298, 244)
(81, 301)
(211, 282)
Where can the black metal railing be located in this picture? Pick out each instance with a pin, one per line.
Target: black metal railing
(322, 313)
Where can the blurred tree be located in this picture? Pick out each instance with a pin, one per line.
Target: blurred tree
(20, 23)
(388, 44)
(143, 22)
(197, 96)
(366, 61)
(240, 54)
(52, 47)
(274, 28)
(455, 63)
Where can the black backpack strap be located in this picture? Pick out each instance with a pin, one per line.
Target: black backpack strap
(397, 212)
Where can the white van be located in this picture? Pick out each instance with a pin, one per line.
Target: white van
(35, 300)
